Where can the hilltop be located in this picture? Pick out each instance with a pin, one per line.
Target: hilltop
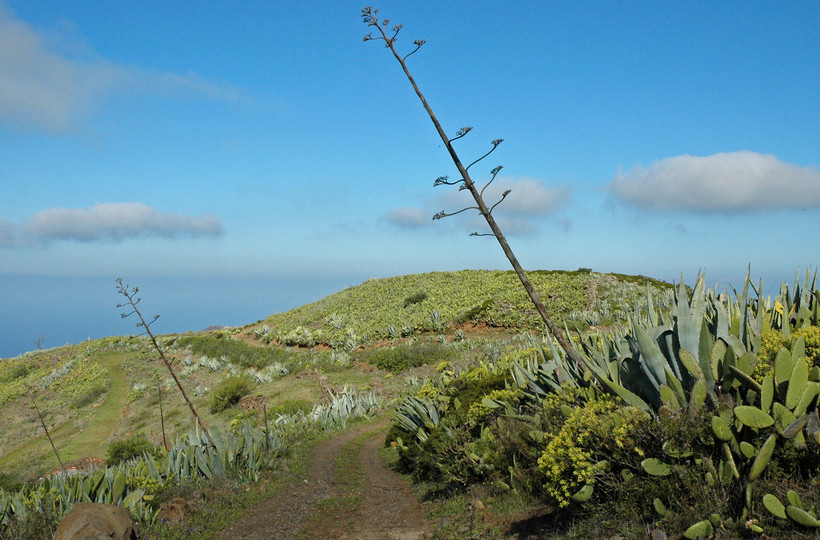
(100, 390)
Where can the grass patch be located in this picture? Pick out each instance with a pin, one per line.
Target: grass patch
(83, 436)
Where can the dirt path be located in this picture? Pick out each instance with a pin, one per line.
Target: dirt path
(349, 494)
(389, 508)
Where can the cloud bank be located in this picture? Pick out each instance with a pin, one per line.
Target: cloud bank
(104, 222)
(42, 89)
(730, 182)
(528, 201)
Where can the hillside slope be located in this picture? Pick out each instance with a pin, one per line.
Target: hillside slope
(93, 393)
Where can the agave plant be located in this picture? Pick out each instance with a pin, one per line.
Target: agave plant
(702, 353)
(418, 416)
(343, 406)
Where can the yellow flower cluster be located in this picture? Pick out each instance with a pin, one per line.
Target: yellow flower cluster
(811, 335)
(428, 391)
(146, 483)
(576, 453)
(770, 342)
(475, 374)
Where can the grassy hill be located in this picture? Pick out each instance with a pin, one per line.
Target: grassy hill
(106, 389)
(384, 309)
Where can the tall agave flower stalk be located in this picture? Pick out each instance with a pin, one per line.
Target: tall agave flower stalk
(130, 294)
(370, 17)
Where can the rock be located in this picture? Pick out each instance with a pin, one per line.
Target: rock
(657, 534)
(175, 511)
(91, 521)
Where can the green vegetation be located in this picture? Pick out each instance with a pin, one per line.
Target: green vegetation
(693, 415)
(289, 407)
(228, 393)
(221, 345)
(409, 355)
(140, 480)
(404, 306)
(647, 431)
(125, 449)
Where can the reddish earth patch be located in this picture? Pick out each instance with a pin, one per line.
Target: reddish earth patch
(78, 465)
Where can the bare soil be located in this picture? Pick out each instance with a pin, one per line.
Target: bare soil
(378, 504)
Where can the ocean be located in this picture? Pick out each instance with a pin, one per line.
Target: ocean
(50, 311)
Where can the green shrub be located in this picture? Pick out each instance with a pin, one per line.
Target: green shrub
(90, 393)
(475, 313)
(10, 482)
(14, 369)
(87, 381)
(125, 449)
(228, 393)
(474, 384)
(403, 357)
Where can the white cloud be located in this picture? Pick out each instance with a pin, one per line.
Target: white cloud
(44, 89)
(104, 222)
(724, 182)
(410, 217)
(529, 199)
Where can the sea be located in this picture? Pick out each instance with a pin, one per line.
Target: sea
(50, 311)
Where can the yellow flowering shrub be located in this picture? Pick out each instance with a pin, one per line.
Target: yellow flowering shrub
(146, 483)
(522, 355)
(239, 420)
(811, 335)
(580, 448)
(475, 374)
(428, 391)
(771, 341)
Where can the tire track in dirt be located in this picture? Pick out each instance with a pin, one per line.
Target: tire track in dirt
(387, 507)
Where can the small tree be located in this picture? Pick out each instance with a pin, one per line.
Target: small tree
(130, 293)
(388, 36)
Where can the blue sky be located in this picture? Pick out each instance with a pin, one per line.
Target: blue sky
(217, 144)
